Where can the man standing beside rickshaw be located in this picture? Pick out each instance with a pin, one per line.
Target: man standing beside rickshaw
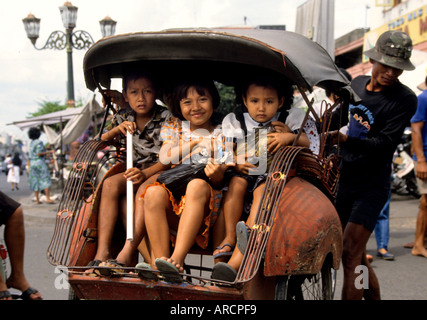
(375, 127)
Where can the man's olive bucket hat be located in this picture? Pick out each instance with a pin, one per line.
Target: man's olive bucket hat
(393, 48)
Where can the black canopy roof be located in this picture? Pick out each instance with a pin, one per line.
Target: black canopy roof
(227, 55)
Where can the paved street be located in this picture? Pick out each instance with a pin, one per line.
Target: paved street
(402, 279)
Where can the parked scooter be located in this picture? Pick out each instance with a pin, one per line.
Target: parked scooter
(403, 176)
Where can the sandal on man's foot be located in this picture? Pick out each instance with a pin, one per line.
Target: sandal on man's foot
(109, 267)
(168, 270)
(5, 295)
(223, 271)
(26, 295)
(145, 271)
(242, 232)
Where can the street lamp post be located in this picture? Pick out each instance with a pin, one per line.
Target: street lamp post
(59, 40)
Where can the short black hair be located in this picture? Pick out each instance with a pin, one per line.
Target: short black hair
(34, 133)
(284, 89)
(132, 75)
(180, 92)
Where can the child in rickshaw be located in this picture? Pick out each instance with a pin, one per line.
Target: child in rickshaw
(142, 117)
(192, 137)
(266, 101)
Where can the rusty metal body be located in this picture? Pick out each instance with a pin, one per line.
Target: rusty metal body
(304, 230)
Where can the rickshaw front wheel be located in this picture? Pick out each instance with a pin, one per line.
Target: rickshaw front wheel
(319, 286)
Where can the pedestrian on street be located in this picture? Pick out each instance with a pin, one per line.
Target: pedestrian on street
(14, 171)
(12, 216)
(419, 142)
(382, 232)
(374, 130)
(39, 177)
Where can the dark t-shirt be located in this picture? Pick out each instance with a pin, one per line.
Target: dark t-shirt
(375, 128)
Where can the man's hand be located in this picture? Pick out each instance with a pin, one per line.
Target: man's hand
(336, 136)
(421, 170)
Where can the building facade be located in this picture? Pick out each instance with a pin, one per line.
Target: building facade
(409, 16)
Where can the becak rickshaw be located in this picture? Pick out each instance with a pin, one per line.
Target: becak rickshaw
(296, 247)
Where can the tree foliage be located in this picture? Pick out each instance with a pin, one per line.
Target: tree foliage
(46, 107)
(228, 99)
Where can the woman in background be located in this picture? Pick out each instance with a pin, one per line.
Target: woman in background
(39, 178)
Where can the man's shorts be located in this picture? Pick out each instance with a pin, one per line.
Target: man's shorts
(422, 184)
(361, 206)
(7, 207)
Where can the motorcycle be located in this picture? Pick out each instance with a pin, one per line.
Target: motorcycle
(404, 180)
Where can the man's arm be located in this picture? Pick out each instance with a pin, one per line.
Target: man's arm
(417, 143)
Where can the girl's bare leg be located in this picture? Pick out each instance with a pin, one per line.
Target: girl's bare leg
(233, 208)
(157, 207)
(197, 199)
(237, 257)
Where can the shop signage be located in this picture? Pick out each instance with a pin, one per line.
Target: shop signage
(414, 23)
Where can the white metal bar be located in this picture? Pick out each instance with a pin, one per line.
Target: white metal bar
(129, 189)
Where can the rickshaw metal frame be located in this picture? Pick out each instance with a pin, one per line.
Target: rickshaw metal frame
(314, 176)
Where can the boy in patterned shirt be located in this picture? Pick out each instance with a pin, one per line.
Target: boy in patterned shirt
(143, 118)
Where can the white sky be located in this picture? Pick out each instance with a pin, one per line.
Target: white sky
(29, 76)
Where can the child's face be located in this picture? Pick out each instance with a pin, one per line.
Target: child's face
(262, 102)
(140, 95)
(197, 109)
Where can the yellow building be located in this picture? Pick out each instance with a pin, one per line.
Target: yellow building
(409, 16)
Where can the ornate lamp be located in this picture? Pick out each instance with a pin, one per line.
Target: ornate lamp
(108, 27)
(59, 40)
(32, 27)
(68, 15)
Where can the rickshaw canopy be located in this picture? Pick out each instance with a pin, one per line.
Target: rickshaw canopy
(227, 55)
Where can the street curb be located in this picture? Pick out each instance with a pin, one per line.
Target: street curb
(44, 213)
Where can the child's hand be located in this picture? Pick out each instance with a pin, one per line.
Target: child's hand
(215, 172)
(277, 140)
(208, 143)
(243, 168)
(127, 126)
(280, 126)
(135, 175)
